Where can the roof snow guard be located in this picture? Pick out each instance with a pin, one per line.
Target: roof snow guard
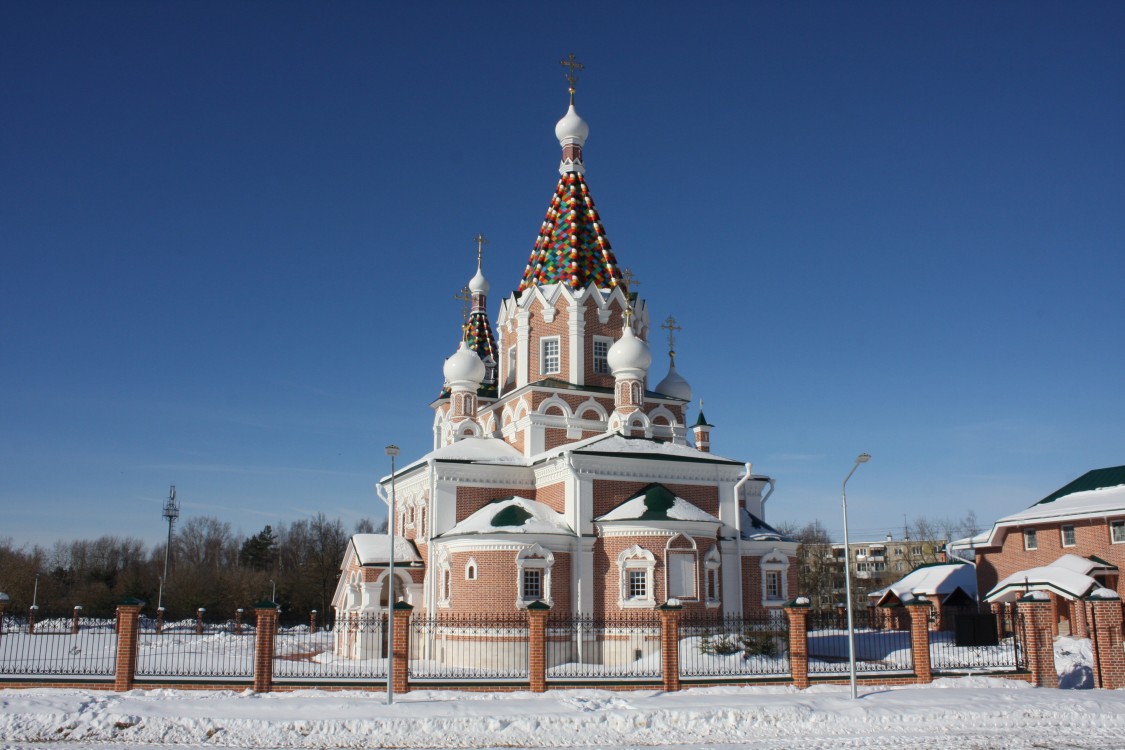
(572, 248)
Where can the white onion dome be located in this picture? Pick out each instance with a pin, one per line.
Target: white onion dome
(571, 129)
(464, 368)
(674, 384)
(479, 284)
(629, 356)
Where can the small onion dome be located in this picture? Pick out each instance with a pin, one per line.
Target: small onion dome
(464, 367)
(571, 129)
(629, 355)
(674, 384)
(479, 284)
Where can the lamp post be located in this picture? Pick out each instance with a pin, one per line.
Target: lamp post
(392, 451)
(862, 458)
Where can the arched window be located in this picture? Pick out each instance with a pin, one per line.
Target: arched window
(680, 561)
(712, 564)
(635, 567)
(775, 578)
(471, 569)
(533, 566)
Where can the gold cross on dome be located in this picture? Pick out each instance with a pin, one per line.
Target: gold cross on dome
(670, 326)
(573, 66)
(465, 298)
(481, 242)
(629, 279)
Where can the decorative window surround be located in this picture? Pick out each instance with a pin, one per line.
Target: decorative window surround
(636, 560)
(471, 569)
(775, 562)
(534, 557)
(712, 563)
(680, 565)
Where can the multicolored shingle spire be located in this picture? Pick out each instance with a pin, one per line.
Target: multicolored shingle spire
(572, 248)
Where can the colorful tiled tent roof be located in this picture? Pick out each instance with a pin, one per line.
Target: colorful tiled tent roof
(572, 248)
(482, 341)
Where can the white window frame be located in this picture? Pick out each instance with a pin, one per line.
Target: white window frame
(510, 372)
(712, 581)
(471, 569)
(544, 358)
(603, 360)
(636, 558)
(534, 557)
(1063, 534)
(693, 553)
(776, 561)
(1030, 540)
(773, 575)
(1117, 525)
(444, 580)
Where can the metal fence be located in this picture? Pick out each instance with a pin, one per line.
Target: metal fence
(354, 649)
(715, 645)
(469, 647)
(877, 649)
(622, 646)
(979, 642)
(76, 647)
(189, 649)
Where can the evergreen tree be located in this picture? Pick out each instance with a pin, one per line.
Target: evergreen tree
(258, 551)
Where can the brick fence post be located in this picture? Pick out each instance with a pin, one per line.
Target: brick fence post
(798, 613)
(537, 645)
(400, 680)
(1105, 619)
(312, 621)
(74, 623)
(919, 612)
(670, 645)
(32, 611)
(125, 666)
(1038, 639)
(264, 643)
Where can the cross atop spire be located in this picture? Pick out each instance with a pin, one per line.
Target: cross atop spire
(465, 298)
(670, 326)
(481, 242)
(572, 67)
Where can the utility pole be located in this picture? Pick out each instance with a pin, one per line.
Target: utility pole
(171, 513)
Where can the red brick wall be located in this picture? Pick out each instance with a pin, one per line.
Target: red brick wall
(553, 496)
(472, 499)
(496, 586)
(610, 329)
(540, 329)
(1091, 537)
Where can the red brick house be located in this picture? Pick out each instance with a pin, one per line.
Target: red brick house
(1067, 543)
(559, 473)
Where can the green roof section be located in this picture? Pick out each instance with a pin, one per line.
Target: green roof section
(658, 501)
(1091, 480)
(513, 515)
(701, 421)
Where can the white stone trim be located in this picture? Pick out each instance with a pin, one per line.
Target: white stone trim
(775, 561)
(636, 558)
(538, 557)
(668, 552)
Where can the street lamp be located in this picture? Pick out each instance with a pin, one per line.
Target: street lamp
(392, 451)
(862, 458)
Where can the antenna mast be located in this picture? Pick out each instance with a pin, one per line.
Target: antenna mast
(171, 513)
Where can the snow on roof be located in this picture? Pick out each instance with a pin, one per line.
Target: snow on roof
(978, 540)
(616, 443)
(371, 549)
(937, 580)
(1083, 565)
(1069, 583)
(1077, 504)
(657, 503)
(512, 515)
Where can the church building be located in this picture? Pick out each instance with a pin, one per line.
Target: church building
(560, 472)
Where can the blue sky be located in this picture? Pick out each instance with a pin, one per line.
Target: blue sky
(232, 233)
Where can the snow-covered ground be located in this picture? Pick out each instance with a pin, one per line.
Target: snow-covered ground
(953, 713)
(970, 713)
